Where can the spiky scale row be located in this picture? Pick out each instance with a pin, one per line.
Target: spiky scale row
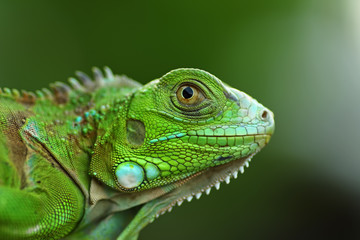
(207, 190)
(60, 91)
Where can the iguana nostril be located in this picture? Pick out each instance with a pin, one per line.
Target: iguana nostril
(264, 115)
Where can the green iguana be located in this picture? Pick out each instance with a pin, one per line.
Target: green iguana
(102, 158)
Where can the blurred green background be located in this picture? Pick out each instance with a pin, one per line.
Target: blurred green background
(300, 58)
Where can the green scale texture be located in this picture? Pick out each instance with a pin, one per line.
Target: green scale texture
(77, 160)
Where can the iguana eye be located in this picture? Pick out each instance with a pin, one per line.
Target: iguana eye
(189, 95)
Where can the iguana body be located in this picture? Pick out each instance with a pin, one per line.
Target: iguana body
(100, 159)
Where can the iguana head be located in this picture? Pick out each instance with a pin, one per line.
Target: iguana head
(185, 124)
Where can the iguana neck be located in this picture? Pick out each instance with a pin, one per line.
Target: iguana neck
(93, 124)
(111, 135)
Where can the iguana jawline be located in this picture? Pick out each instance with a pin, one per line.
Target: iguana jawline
(204, 181)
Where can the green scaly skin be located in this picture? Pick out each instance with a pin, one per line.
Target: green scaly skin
(102, 158)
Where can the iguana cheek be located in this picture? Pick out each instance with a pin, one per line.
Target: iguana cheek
(129, 175)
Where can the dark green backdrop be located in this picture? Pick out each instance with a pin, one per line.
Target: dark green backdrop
(300, 58)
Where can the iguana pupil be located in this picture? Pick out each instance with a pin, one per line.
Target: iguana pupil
(187, 92)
